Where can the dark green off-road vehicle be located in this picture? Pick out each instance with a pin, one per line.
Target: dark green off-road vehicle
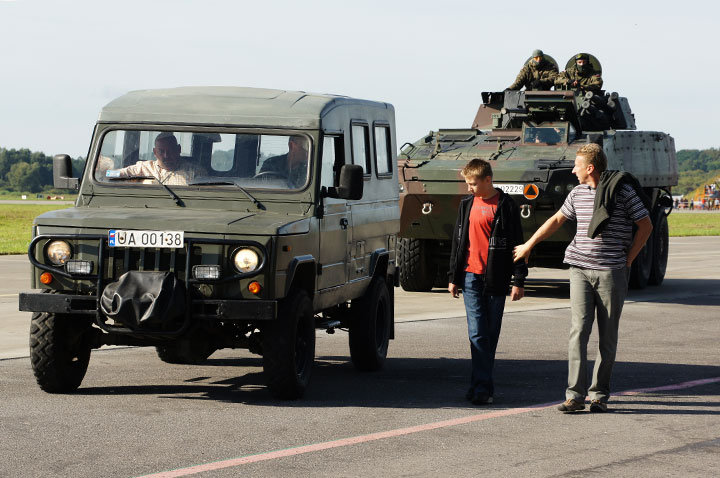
(221, 217)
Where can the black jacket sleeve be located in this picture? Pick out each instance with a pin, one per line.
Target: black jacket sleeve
(456, 240)
(520, 268)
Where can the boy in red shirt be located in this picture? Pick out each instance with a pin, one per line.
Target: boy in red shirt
(481, 264)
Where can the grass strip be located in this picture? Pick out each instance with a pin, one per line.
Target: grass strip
(16, 225)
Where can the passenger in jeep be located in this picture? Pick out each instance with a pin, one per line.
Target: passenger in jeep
(168, 168)
(291, 166)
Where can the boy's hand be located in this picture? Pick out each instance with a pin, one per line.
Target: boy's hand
(453, 289)
(521, 252)
(517, 293)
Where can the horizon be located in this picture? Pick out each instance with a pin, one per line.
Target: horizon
(431, 63)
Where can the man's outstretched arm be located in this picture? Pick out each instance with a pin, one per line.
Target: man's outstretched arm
(546, 230)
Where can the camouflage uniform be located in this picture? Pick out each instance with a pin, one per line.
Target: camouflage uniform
(589, 80)
(535, 76)
(296, 176)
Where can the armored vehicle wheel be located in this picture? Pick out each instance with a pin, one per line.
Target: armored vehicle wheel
(59, 351)
(288, 345)
(660, 247)
(416, 273)
(370, 327)
(189, 352)
(640, 270)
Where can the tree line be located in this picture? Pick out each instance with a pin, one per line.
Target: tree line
(23, 170)
(696, 168)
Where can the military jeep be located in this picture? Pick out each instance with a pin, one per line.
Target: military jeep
(221, 217)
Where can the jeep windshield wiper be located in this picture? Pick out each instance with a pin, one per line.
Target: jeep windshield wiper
(215, 182)
(175, 197)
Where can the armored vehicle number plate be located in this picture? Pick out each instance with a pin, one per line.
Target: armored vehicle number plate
(164, 239)
(510, 188)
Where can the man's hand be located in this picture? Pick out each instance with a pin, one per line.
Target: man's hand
(453, 289)
(521, 252)
(517, 293)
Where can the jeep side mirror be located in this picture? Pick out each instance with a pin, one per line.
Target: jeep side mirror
(62, 172)
(350, 185)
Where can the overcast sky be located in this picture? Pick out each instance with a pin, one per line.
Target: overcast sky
(63, 60)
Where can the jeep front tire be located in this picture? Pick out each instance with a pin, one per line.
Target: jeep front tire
(288, 345)
(59, 351)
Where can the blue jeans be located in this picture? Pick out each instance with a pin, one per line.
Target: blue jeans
(484, 318)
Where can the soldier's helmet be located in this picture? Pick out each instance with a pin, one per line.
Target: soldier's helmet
(537, 53)
(547, 58)
(596, 66)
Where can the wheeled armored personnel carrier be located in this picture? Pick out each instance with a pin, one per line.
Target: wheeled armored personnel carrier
(212, 218)
(530, 139)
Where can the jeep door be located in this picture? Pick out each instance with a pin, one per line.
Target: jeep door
(335, 225)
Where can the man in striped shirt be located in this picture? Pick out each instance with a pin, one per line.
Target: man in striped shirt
(599, 272)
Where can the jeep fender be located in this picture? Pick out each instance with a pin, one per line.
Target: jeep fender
(302, 272)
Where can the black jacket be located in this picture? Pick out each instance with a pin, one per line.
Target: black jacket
(604, 203)
(506, 234)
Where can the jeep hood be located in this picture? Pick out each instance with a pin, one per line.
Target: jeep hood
(188, 220)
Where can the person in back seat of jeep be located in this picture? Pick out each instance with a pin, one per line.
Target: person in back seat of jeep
(168, 168)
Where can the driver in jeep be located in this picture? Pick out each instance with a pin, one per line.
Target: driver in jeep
(169, 167)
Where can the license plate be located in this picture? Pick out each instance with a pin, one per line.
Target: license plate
(163, 239)
(511, 188)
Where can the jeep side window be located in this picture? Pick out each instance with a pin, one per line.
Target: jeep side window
(382, 150)
(361, 146)
(333, 158)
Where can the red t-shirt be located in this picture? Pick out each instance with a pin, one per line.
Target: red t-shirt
(481, 219)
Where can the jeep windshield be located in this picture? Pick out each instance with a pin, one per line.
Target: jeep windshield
(202, 159)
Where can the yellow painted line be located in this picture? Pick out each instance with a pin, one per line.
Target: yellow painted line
(8, 295)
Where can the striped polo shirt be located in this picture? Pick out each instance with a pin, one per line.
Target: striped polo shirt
(609, 249)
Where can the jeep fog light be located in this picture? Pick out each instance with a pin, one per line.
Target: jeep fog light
(58, 252)
(246, 260)
(78, 267)
(206, 272)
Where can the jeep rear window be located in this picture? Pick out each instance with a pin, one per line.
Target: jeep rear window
(182, 158)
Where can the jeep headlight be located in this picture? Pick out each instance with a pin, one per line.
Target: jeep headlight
(246, 260)
(58, 252)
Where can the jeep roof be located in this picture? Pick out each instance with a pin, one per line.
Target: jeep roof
(226, 105)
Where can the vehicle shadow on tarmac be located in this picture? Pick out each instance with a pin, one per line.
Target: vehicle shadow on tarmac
(673, 291)
(432, 383)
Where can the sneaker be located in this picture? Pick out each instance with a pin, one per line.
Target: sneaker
(571, 405)
(596, 406)
(482, 399)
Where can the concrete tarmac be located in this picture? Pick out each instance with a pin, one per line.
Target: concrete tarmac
(135, 415)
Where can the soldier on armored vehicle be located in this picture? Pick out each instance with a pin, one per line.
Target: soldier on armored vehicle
(538, 73)
(580, 74)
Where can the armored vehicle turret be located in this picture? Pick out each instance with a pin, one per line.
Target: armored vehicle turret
(530, 139)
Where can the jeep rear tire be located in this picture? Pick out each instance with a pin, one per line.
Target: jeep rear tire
(370, 327)
(660, 247)
(59, 351)
(417, 274)
(288, 345)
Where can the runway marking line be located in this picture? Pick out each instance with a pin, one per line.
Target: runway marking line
(301, 450)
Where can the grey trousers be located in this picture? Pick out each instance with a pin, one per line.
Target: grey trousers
(591, 291)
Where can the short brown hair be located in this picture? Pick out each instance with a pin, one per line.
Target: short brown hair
(594, 154)
(477, 167)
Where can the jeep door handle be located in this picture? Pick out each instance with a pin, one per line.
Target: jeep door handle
(343, 223)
